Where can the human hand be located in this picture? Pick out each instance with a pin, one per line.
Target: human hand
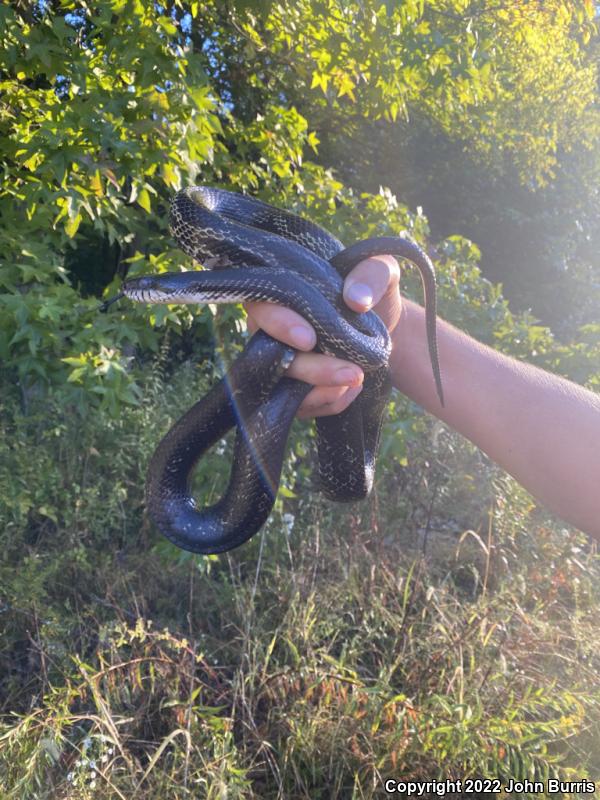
(372, 285)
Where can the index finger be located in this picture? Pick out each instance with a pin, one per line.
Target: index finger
(283, 324)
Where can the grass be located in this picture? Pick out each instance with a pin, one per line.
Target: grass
(443, 630)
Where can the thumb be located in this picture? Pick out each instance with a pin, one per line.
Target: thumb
(370, 281)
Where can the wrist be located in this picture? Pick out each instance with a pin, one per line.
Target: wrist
(408, 340)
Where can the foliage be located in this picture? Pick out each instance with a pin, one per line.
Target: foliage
(480, 71)
(444, 623)
(318, 662)
(103, 116)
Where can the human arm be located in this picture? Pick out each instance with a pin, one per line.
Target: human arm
(542, 429)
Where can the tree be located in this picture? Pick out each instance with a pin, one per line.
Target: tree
(103, 116)
(108, 109)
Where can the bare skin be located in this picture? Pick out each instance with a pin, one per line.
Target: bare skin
(542, 429)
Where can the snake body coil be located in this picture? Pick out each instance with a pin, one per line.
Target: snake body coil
(257, 252)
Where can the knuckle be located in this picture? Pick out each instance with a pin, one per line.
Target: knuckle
(389, 270)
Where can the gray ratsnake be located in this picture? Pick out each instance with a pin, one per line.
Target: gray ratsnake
(253, 251)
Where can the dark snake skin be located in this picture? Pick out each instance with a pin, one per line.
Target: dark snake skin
(257, 252)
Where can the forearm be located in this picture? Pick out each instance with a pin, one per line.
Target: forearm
(542, 429)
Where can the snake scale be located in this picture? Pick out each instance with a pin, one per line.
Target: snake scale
(253, 251)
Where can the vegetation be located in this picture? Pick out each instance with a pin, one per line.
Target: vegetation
(447, 628)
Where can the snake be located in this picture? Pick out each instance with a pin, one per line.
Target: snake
(250, 250)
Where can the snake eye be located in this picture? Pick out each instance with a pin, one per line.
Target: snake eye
(145, 283)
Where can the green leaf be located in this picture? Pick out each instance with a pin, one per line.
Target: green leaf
(143, 199)
(167, 26)
(72, 225)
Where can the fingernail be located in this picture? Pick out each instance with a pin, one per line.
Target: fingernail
(346, 376)
(360, 293)
(302, 337)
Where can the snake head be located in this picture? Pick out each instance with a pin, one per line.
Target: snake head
(146, 289)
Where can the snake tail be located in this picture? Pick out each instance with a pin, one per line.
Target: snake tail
(410, 251)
